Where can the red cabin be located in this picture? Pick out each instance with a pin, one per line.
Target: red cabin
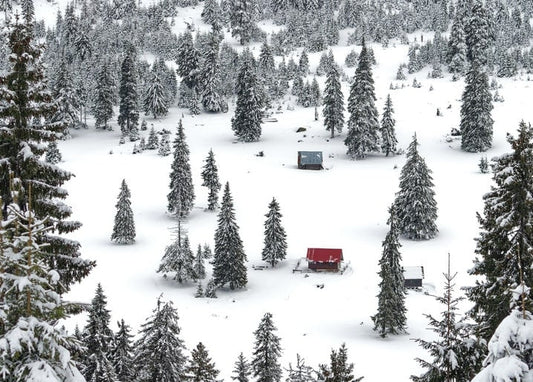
(328, 259)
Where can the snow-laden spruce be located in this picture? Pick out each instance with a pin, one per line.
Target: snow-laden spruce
(122, 352)
(300, 372)
(124, 227)
(388, 134)
(211, 181)
(333, 101)
(155, 99)
(229, 256)
(201, 368)
(102, 108)
(209, 76)
(267, 350)
(275, 241)
(391, 315)
(339, 370)
(178, 259)
(242, 369)
(415, 201)
(128, 116)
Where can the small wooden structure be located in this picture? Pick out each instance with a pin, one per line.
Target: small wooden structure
(310, 160)
(324, 259)
(413, 276)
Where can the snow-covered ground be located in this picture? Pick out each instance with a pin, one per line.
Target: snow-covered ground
(343, 206)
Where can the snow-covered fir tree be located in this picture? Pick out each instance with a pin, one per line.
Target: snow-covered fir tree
(66, 100)
(178, 259)
(229, 256)
(103, 97)
(155, 98)
(211, 181)
(209, 76)
(415, 201)
(267, 351)
(122, 352)
(391, 315)
(181, 196)
(199, 264)
(159, 352)
(456, 354)
(201, 368)
(98, 338)
(26, 108)
(504, 246)
(53, 155)
(164, 145)
(339, 370)
(128, 114)
(241, 369)
(124, 227)
(476, 107)
(275, 241)
(303, 64)
(211, 14)
(388, 133)
(333, 101)
(456, 54)
(300, 372)
(479, 33)
(211, 289)
(241, 17)
(32, 341)
(153, 141)
(363, 125)
(188, 59)
(246, 123)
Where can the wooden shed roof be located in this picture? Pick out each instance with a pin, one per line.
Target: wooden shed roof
(325, 255)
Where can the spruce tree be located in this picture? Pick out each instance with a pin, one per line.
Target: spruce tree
(333, 102)
(181, 196)
(155, 99)
(241, 369)
(209, 76)
(98, 338)
(159, 350)
(275, 247)
(201, 368)
(391, 315)
(211, 14)
(153, 141)
(339, 369)
(242, 24)
(103, 101)
(66, 99)
(229, 256)
(188, 59)
(301, 372)
(124, 227)
(504, 246)
(456, 355)
(388, 134)
(122, 352)
(476, 107)
(164, 145)
(267, 350)
(211, 181)
(128, 114)
(211, 289)
(363, 125)
(478, 34)
(53, 155)
(26, 108)
(456, 54)
(198, 265)
(246, 123)
(178, 259)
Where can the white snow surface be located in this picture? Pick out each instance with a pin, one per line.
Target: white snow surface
(344, 206)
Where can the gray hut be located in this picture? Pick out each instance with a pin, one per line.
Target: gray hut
(310, 160)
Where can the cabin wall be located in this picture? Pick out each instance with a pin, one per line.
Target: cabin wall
(323, 266)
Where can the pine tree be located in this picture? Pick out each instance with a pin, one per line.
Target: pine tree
(128, 115)
(339, 369)
(391, 315)
(164, 145)
(31, 308)
(103, 102)
(98, 338)
(504, 246)
(124, 227)
(275, 248)
(301, 372)
(201, 368)
(476, 107)
(178, 259)
(241, 14)
(456, 55)
(211, 289)
(303, 64)
(53, 156)
(211, 14)
(26, 108)
(241, 370)
(181, 196)
(155, 99)
(209, 76)
(160, 350)
(66, 100)
(122, 353)
(455, 354)
(211, 181)
(363, 124)
(199, 266)
(267, 350)
(388, 135)
(153, 141)
(246, 123)
(188, 59)
(478, 34)
(415, 201)
(229, 257)
(333, 102)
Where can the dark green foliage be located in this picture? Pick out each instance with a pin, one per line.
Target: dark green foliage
(301, 372)
(178, 259)
(211, 181)
(246, 123)
(391, 315)
(504, 246)
(104, 97)
(333, 101)
(267, 350)
(128, 114)
(415, 202)
(229, 256)
(209, 76)
(363, 125)
(388, 134)
(53, 155)
(153, 141)
(122, 352)
(241, 20)
(159, 350)
(478, 34)
(242, 370)
(201, 368)
(124, 227)
(155, 98)
(181, 196)
(339, 369)
(187, 59)
(275, 243)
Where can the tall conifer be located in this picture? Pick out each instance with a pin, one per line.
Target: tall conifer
(275, 242)
(267, 350)
(210, 180)
(124, 227)
(333, 102)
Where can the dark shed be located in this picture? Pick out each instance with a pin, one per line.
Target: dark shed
(413, 276)
(310, 160)
(324, 258)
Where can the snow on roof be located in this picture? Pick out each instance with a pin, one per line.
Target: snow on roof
(413, 272)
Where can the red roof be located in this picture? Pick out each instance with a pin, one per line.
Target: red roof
(326, 255)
